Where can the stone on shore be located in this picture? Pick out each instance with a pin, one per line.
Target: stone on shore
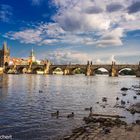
(124, 89)
(135, 107)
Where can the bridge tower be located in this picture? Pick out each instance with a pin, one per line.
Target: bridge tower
(113, 71)
(89, 69)
(138, 71)
(4, 55)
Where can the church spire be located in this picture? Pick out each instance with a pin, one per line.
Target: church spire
(32, 56)
(32, 52)
(5, 47)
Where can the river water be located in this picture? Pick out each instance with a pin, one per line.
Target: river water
(25, 113)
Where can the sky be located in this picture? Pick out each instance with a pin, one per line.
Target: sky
(75, 31)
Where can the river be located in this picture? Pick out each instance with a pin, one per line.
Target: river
(25, 113)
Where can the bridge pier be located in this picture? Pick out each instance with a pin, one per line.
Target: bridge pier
(47, 67)
(113, 71)
(66, 71)
(1, 70)
(29, 70)
(89, 69)
(138, 71)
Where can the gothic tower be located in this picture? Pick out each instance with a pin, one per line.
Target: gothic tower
(4, 55)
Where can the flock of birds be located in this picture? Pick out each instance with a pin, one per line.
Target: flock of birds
(104, 99)
(57, 114)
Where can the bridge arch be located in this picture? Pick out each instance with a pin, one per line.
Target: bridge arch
(101, 70)
(78, 70)
(126, 71)
(126, 67)
(57, 70)
(22, 70)
(6, 64)
(107, 68)
(34, 70)
(7, 70)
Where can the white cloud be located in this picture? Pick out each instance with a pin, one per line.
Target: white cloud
(111, 38)
(128, 17)
(112, 59)
(76, 57)
(37, 35)
(73, 21)
(131, 25)
(26, 36)
(48, 41)
(77, 23)
(74, 17)
(6, 12)
(65, 57)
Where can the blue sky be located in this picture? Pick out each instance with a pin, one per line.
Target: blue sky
(72, 30)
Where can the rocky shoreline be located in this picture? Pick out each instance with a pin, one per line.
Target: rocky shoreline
(108, 127)
(93, 132)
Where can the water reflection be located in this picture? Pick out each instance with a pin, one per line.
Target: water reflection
(25, 112)
(4, 79)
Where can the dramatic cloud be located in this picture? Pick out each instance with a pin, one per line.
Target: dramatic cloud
(113, 7)
(135, 7)
(73, 21)
(83, 23)
(71, 14)
(5, 13)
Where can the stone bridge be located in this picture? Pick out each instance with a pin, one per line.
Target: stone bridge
(89, 68)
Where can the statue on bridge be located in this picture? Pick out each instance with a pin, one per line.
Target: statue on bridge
(113, 71)
(89, 69)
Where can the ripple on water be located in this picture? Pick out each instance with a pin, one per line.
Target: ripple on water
(26, 113)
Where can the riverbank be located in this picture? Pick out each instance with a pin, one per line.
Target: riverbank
(105, 128)
(91, 132)
(109, 127)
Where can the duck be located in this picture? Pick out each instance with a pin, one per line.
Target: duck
(134, 97)
(132, 111)
(104, 99)
(55, 114)
(70, 115)
(123, 94)
(122, 102)
(124, 89)
(40, 91)
(89, 109)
